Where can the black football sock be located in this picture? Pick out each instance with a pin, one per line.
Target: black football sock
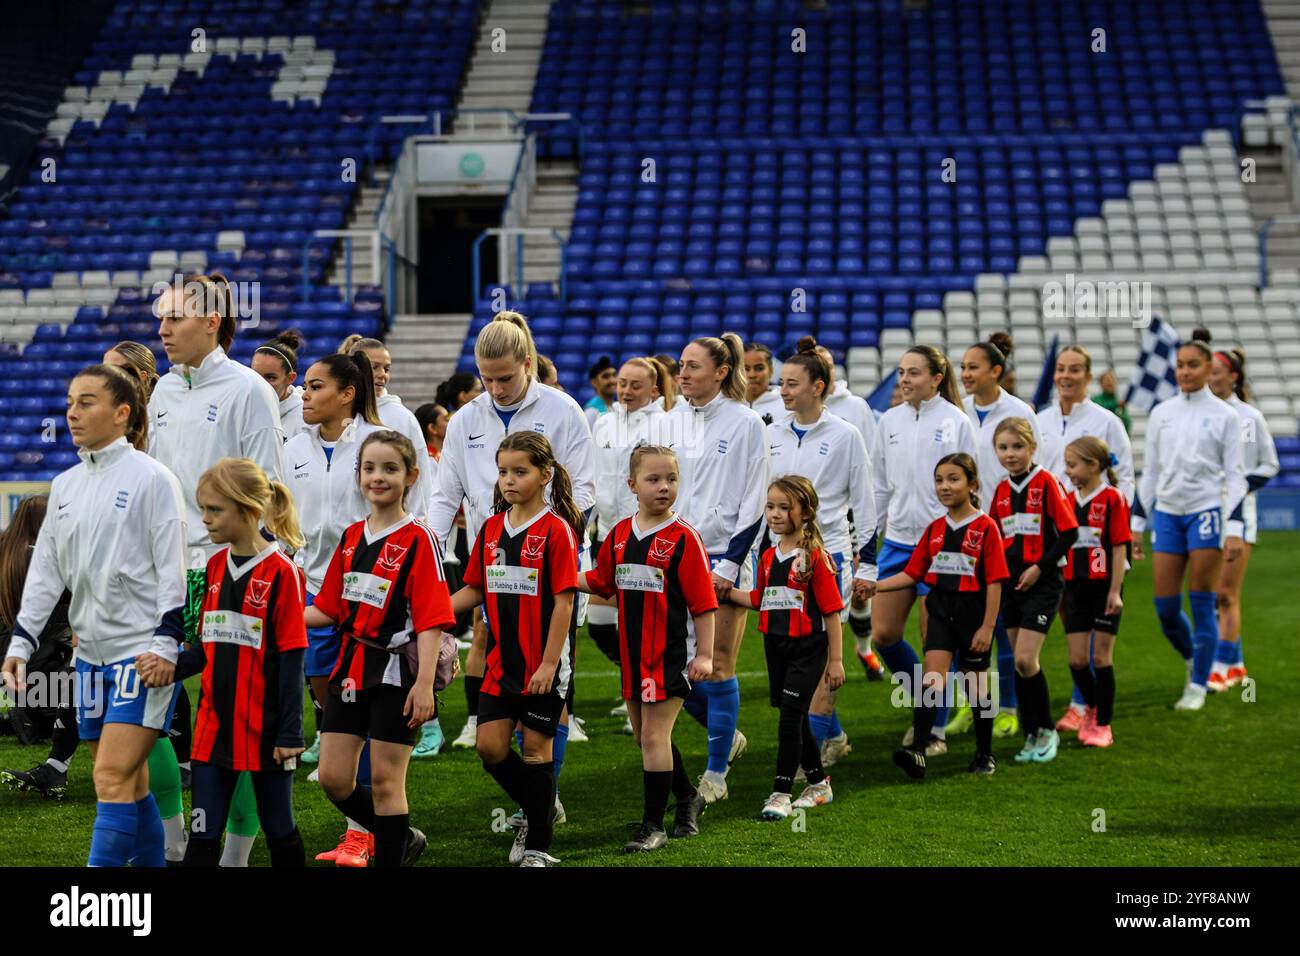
(359, 805)
(1027, 702)
(391, 831)
(287, 851)
(983, 729)
(657, 784)
(64, 738)
(511, 775)
(1105, 695)
(539, 805)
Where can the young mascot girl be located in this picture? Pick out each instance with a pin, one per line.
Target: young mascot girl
(1094, 582)
(960, 557)
(115, 539)
(524, 569)
(386, 592)
(656, 565)
(1038, 530)
(797, 594)
(250, 652)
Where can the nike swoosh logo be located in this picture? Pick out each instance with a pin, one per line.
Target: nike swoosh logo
(61, 507)
(163, 414)
(719, 737)
(303, 465)
(477, 437)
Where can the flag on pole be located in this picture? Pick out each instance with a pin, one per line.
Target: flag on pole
(1043, 393)
(880, 396)
(1153, 376)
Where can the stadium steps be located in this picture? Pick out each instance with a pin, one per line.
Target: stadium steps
(1283, 17)
(424, 349)
(1269, 196)
(362, 216)
(499, 79)
(550, 207)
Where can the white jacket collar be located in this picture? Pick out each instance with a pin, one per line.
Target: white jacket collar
(292, 402)
(1200, 395)
(809, 429)
(212, 365)
(106, 457)
(841, 389)
(711, 409)
(348, 434)
(930, 404)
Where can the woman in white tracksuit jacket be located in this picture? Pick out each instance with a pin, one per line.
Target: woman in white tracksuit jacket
(636, 418)
(513, 400)
(277, 362)
(399, 418)
(1193, 463)
(1260, 461)
(828, 451)
(721, 445)
(987, 403)
(339, 413)
(912, 437)
(115, 538)
(209, 407)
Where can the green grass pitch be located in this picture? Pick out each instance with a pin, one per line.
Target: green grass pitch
(1215, 788)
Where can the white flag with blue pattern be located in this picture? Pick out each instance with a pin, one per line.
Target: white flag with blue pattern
(1153, 377)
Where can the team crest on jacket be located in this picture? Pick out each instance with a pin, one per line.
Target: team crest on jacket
(661, 550)
(392, 556)
(258, 592)
(534, 547)
(1035, 498)
(1097, 511)
(974, 538)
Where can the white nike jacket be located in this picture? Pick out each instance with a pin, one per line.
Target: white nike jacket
(222, 410)
(616, 433)
(1086, 418)
(468, 467)
(114, 535)
(327, 493)
(832, 456)
(1258, 451)
(401, 419)
(991, 470)
(909, 444)
(1193, 460)
(722, 448)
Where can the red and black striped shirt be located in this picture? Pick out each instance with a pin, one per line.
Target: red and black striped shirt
(963, 557)
(788, 607)
(252, 614)
(1103, 524)
(662, 580)
(384, 588)
(1032, 513)
(520, 571)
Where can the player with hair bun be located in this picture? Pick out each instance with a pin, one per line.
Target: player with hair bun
(277, 362)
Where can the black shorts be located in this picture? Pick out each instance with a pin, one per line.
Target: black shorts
(1085, 607)
(539, 712)
(375, 712)
(794, 666)
(1035, 608)
(954, 618)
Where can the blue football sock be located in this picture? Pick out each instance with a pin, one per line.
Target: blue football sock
(150, 839)
(363, 765)
(836, 729)
(902, 661)
(941, 712)
(1206, 635)
(1226, 652)
(821, 727)
(697, 703)
(519, 740)
(1175, 625)
(724, 711)
(558, 746)
(1238, 656)
(1006, 667)
(113, 838)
